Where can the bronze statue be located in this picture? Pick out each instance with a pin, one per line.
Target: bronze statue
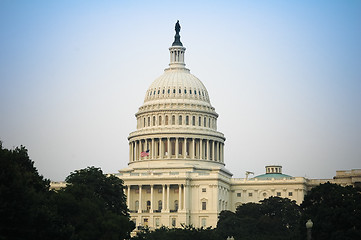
(177, 41)
(177, 27)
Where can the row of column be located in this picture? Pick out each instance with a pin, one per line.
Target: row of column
(166, 148)
(182, 201)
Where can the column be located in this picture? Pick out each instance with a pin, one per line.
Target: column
(213, 151)
(130, 152)
(193, 148)
(135, 151)
(185, 193)
(222, 152)
(185, 148)
(168, 190)
(200, 149)
(151, 198)
(163, 197)
(176, 147)
(160, 148)
(140, 149)
(153, 149)
(180, 196)
(128, 197)
(168, 148)
(208, 157)
(140, 199)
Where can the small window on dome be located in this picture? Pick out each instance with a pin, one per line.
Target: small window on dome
(187, 120)
(199, 93)
(202, 93)
(154, 92)
(166, 119)
(180, 91)
(160, 120)
(163, 91)
(193, 120)
(195, 92)
(199, 121)
(168, 91)
(180, 120)
(173, 90)
(185, 91)
(158, 91)
(190, 91)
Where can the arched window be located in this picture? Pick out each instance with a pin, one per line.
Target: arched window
(173, 90)
(209, 122)
(180, 91)
(148, 121)
(153, 120)
(173, 120)
(205, 122)
(193, 120)
(180, 120)
(199, 121)
(144, 122)
(163, 91)
(160, 120)
(187, 120)
(166, 119)
(168, 91)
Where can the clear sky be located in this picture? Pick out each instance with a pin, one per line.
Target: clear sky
(284, 77)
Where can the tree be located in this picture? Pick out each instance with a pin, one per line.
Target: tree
(334, 210)
(25, 212)
(94, 205)
(273, 218)
(184, 233)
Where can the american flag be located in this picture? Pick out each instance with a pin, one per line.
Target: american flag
(143, 154)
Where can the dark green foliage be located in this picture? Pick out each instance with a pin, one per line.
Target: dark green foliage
(273, 218)
(334, 210)
(24, 198)
(185, 233)
(94, 205)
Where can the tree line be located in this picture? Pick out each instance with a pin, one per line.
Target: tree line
(93, 206)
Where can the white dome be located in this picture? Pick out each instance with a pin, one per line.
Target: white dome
(177, 84)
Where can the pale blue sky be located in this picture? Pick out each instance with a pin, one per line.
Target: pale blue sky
(284, 76)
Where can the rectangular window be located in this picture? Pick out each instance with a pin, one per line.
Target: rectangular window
(174, 222)
(204, 222)
(290, 194)
(250, 194)
(239, 194)
(157, 222)
(204, 205)
(204, 189)
(278, 194)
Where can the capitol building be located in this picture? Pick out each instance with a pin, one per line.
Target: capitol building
(176, 173)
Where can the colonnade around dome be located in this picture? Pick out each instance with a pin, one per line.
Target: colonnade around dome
(177, 148)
